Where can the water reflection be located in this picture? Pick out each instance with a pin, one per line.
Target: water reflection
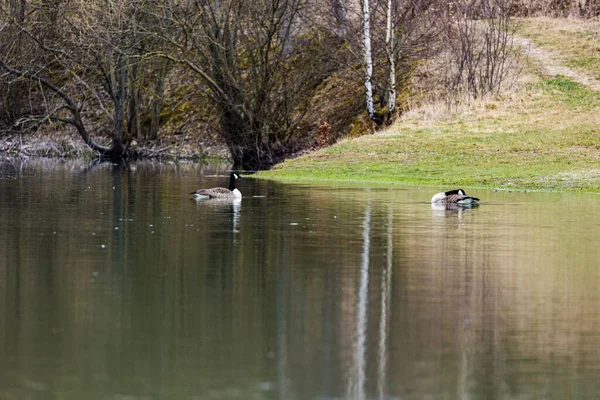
(357, 384)
(386, 288)
(232, 207)
(450, 210)
(117, 285)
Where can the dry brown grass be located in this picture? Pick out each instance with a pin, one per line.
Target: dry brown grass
(575, 42)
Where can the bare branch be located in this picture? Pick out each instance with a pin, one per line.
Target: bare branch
(35, 77)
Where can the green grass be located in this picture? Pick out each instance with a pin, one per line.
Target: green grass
(546, 137)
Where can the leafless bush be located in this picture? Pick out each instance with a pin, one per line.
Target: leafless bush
(479, 57)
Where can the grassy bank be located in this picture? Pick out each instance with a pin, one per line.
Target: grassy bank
(544, 135)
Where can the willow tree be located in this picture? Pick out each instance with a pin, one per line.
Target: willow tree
(247, 57)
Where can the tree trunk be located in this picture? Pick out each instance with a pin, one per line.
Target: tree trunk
(391, 54)
(243, 138)
(339, 13)
(85, 136)
(251, 157)
(157, 98)
(368, 62)
(119, 113)
(48, 17)
(134, 121)
(286, 36)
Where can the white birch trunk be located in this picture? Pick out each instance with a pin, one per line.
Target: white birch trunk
(368, 58)
(389, 45)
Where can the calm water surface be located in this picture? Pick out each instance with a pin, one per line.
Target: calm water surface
(116, 285)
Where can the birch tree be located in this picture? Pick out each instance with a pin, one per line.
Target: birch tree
(409, 34)
(391, 58)
(368, 58)
(368, 62)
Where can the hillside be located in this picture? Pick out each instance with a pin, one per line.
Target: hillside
(544, 134)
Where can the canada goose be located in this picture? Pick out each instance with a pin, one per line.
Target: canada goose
(221, 192)
(457, 196)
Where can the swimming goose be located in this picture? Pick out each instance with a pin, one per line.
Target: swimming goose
(457, 196)
(221, 192)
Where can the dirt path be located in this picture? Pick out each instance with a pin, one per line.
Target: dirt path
(552, 65)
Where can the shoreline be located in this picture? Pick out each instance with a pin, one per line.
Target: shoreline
(66, 145)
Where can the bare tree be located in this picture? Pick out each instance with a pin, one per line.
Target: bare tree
(59, 74)
(75, 119)
(50, 69)
(87, 61)
(249, 58)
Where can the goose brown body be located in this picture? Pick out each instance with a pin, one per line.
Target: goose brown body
(220, 192)
(457, 196)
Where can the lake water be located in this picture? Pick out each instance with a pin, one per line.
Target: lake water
(115, 284)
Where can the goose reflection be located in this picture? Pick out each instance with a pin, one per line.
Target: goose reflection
(236, 207)
(449, 209)
(232, 207)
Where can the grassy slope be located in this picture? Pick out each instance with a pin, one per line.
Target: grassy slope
(575, 42)
(545, 135)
